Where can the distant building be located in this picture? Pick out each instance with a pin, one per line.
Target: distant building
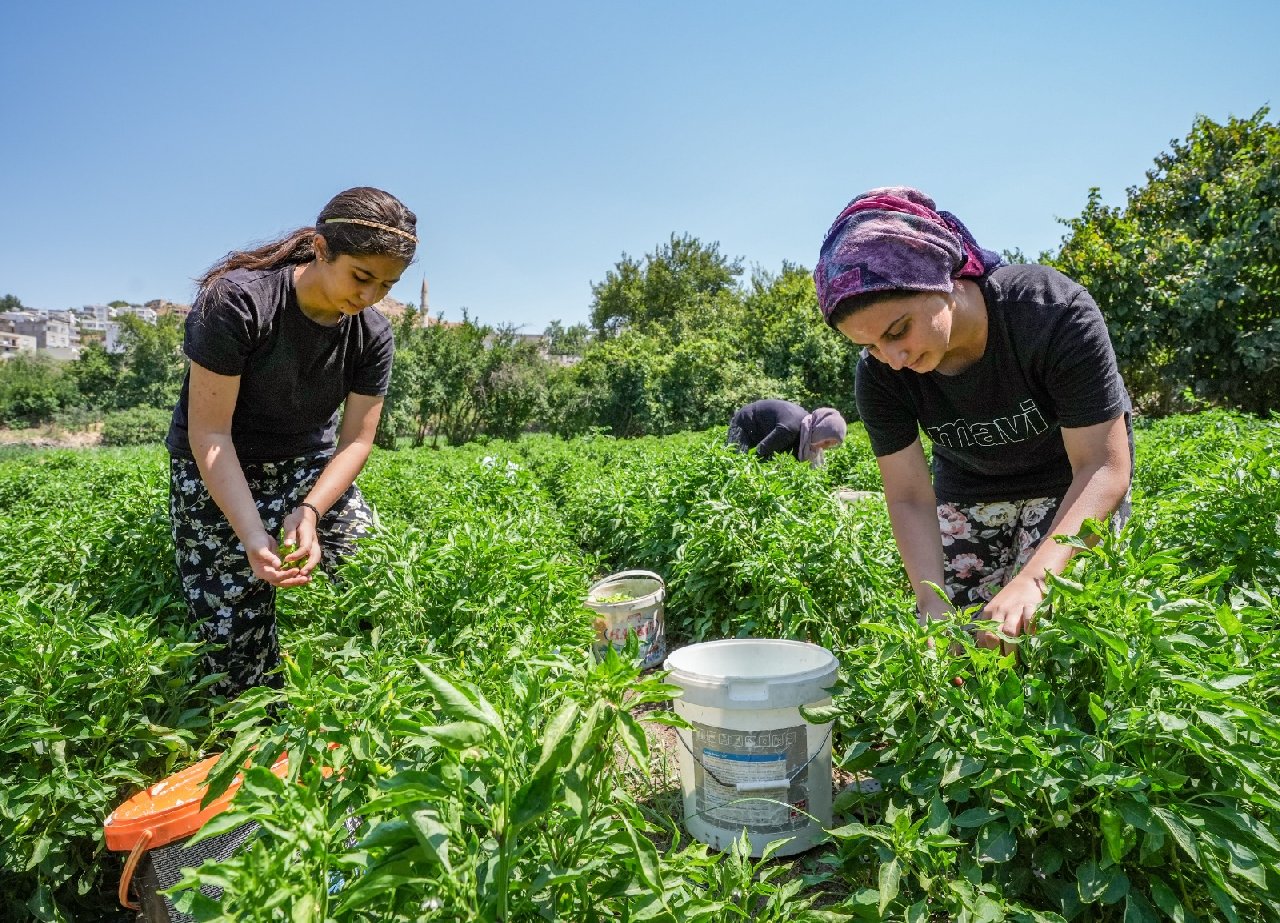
(137, 310)
(48, 331)
(93, 318)
(164, 308)
(111, 337)
(13, 343)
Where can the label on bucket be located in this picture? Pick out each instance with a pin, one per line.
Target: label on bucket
(647, 626)
(728, 758)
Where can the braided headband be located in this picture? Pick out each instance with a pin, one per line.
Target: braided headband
(372, 224)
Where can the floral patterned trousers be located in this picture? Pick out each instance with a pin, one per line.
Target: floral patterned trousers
(232, 609)
(984, 545)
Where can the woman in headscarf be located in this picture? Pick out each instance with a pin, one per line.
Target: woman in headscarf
(773, 426)
(1008, 369)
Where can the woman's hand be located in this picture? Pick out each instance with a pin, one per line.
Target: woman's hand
(300, 530)
(264, 559)
(1014, 608)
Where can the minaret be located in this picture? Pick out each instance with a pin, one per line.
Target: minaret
(423, 307)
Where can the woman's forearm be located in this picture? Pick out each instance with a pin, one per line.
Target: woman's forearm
(1095, 492)
(915, 529)
(219, 465)
(339, 474)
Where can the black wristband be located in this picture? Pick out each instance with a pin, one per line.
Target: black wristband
(310, 507)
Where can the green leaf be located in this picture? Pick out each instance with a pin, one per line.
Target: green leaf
(432, 834)
(633, 738)
(458, 735)
(890, 878)
(996, 843)
(553, 735)
(455, 704)
(1090, 882)
(1180, 832)
(977, 817)
(534, 798)
(1167, 901)
(1137, 909)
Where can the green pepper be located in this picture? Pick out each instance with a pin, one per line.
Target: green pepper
(286, 549)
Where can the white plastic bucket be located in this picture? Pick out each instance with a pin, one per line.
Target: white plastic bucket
(641, 611)
(751, 760)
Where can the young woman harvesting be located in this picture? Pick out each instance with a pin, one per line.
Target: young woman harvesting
(279, 339)
(1008, 369)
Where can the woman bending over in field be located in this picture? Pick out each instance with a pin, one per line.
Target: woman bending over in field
(1010, 372)
(279, 339)
(773, 426)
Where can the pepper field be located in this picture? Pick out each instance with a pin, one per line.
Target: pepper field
(1126, 769)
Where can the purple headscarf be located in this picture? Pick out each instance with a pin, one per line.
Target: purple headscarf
(894, 239)
(823, 424)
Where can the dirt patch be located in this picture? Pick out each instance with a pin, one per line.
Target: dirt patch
(52, 437)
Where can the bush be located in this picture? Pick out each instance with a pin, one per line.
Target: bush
(136, 426)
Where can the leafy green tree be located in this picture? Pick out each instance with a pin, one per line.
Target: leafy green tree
(705, 381)
(153, 362)
(644, 294)
(10, 303)
(782, 330)
(616, 386)
(566, 341)
(457, 381)
(1186, 272)
(33, 388)
(97, 375)
(511, 388)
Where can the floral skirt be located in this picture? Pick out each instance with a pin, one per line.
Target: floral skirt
(233, 610)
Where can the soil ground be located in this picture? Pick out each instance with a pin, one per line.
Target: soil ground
(52, 437)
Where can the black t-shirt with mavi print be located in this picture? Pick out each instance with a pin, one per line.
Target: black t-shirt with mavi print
(996, 426)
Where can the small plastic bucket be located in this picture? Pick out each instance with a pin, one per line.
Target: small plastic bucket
(751, 762)
(626, 602)
(153, 827)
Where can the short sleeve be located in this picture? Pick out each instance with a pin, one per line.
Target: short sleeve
(885, 412)
(373, 376)
(222, 328)
(1082, 376)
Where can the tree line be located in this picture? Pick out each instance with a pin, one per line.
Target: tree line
(1186, 271)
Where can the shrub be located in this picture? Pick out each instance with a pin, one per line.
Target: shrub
(136, 426)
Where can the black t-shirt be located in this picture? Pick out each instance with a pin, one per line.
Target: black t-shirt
(294, 373)
(996, 426)
(769, 426)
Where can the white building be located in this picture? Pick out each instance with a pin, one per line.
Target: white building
(13, 343)
(137, 310)
(93, 317)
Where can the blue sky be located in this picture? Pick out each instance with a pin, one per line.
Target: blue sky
(538, 142)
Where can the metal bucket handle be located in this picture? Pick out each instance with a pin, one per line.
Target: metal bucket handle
(662, 586)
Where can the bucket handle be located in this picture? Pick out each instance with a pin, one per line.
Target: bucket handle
(639, 573)
(131, 864)
(754, 786)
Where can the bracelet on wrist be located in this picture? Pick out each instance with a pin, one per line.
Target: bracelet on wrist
(309, 506)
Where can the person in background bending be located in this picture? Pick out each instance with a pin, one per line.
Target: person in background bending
(773, 426)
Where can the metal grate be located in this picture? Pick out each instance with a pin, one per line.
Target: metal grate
(162, 868)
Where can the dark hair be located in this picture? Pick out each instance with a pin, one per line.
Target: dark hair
(847, 307)
(364, 203)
